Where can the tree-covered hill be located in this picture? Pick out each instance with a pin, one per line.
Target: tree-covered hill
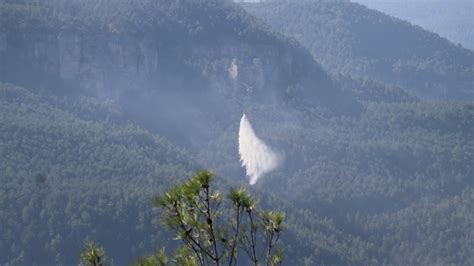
(350, 38)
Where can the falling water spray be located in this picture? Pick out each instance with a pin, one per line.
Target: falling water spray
(257, 158)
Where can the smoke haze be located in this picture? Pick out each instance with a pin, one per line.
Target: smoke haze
(257, 158)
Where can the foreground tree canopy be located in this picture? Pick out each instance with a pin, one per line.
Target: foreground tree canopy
(92, 255)
(214, 230)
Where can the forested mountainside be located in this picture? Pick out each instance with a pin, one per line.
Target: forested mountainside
(67, 177)
(350, 38)
(450, 19)
(394, 164)
(106, 103)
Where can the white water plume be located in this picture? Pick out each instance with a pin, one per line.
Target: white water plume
(257, 158)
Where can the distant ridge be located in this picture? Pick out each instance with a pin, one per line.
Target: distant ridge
(350, 38)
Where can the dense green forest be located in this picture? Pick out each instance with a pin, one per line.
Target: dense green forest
(65, 178)
(347, 37)
(92, 178)
(106, 104)
(388, 166)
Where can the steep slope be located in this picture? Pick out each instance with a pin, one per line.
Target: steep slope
(350, 38)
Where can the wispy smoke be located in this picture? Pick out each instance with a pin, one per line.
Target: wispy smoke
(257, 158)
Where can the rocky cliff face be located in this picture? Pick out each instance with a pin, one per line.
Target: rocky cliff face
(175, 82)
(109, 63)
